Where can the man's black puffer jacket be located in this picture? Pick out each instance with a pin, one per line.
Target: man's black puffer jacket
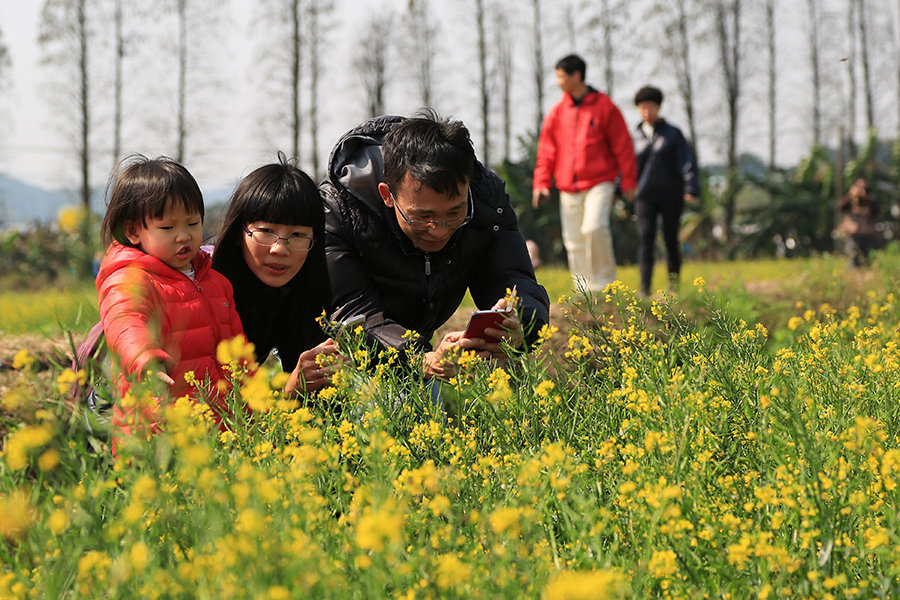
(376, 271)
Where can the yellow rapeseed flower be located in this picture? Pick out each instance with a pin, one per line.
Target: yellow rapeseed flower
(257, 393)
(139, 556)
(236, 352)
(278, 592)
(547, 332)
(498, 381)
(48, 460)
(794, 323)
(508, 520)
(16, 514)
(22, 360)
(451, 571)
(14, 399)
(58, 521)
(377, 528)
(663, 563)
(22, 441)
(544, 388)
(586, 585)
(69, 218)
(251, 522)
(68, 378)
(579, 346)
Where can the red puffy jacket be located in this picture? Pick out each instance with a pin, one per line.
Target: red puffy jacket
(584, 144)
(152, 312)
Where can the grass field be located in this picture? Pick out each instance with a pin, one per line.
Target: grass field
(739, 440)
(50, 312)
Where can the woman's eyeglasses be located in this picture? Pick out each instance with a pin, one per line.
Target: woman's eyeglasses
(270, 238)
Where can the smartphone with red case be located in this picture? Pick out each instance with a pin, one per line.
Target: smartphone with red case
(484, 319)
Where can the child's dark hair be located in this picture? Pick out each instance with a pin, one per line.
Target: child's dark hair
(142, 188)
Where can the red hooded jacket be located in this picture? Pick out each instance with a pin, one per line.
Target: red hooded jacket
(152, 312)
(584, 144)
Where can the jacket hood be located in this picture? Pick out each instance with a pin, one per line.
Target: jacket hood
(592, 95)
(119, 256)
(356, 163)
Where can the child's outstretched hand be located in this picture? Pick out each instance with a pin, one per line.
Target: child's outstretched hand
(164, 377)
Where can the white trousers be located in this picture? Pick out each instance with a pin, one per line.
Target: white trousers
(585, 231)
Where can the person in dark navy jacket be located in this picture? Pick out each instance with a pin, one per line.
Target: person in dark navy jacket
(667, 178)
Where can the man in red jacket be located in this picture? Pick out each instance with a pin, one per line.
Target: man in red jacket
(584, 147)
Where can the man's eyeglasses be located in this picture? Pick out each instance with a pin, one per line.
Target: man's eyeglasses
(270, 238)
(429, 225)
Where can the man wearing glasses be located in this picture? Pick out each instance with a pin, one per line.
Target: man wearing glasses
(413, 220)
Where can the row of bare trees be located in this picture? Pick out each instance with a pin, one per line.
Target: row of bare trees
(125, 71)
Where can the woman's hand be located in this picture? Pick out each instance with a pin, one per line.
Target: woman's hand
(309, 375)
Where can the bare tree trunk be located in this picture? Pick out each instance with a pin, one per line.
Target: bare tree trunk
(852, 82)
(571, 26)
(864, 51)
(372, 57)
(84, 150)
(182, 80)
(505, 72)
(538, 65)
(608, 49)
(813, 6)
(897, 59)
(728, 28)
(65, 37)
(772, 80)
(683, 72)
(117, 84)
(317, 9)
(296, 57)
(84, 106)
(483, 82)
(423, 48)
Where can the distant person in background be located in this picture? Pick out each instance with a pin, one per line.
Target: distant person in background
(667, 178)
(859, 211)
(584, 147)
(272, 251)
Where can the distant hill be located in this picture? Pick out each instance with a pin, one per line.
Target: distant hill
(22, 203)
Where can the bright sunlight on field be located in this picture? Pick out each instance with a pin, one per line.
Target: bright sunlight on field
(739, 440)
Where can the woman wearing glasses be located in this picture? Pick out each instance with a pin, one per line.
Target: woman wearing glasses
(271, 250)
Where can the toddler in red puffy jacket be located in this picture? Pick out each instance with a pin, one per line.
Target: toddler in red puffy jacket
(164, 309)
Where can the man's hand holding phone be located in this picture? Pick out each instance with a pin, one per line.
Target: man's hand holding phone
(483, 336)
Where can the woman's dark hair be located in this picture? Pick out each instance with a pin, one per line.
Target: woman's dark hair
(141, 188)
(436, 152)
(278, 193)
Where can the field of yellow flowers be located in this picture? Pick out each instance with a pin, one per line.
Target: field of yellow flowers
(650, 449)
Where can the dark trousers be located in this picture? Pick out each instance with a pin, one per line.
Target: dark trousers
(858, 248)
(648, 213)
